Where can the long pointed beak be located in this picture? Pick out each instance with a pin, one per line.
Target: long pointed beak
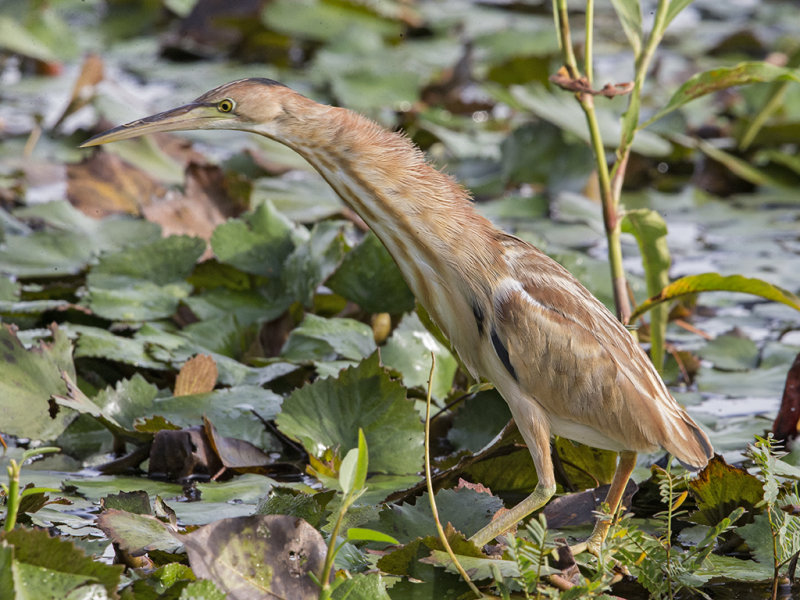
(190, 116)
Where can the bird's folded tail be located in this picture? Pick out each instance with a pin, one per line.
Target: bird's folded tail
(693, 450)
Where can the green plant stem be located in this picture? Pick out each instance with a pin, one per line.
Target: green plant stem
(609, 201)
(325, 578)
(429, 483)
(13, 498)
(589, 43)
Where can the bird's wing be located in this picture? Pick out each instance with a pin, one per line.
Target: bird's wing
(569, 353)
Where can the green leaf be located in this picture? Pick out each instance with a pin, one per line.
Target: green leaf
(41, 560)
(674, 9)
(27, 379)
(467, 510)
(313, 261)
(95, 342)
(137, 533)
(369, 277)
(69, 242)
(360, 475)
(478, 421)
(714, 282)
(317, 338)
(408, 350)
(739, 167)
(362, 586)
(630, 17)
(650, 231)
(731, 353)
(347, 471)
(720, 488)
(328, 413)
(239, 411)
(286, 501)
(202, 590)
(145, 282)
(369, 535)
(722, 78)
(258, 243)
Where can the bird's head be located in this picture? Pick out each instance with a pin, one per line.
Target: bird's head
(254, 104)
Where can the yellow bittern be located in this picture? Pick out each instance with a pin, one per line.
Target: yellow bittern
(561, 360)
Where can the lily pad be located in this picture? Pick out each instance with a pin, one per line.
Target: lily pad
(328, 414)
(28, 378)
(145, 282)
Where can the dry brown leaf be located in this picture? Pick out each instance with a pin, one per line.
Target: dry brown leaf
(205, 204)
(104, 184)
(198, 375)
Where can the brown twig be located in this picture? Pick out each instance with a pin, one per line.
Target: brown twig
(581, 85)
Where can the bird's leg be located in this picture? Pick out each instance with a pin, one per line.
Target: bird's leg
(538, 441)
(625, 466)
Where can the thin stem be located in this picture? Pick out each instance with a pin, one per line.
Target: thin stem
(589, 44)
(13, 499)
(566, 38)
(609, 200)
(325, 578)
(429, 483)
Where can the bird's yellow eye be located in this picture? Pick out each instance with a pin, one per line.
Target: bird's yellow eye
(225, 105)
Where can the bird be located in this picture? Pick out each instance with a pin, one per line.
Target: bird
(564, 364)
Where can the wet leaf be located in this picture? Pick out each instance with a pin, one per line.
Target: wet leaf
(202, 590)
(329, 412)
(250, 557)
(137, 502)
(69, 241)
(313, 261)
(569, 117)
(28, 378)
(321, 20)
(585, 466)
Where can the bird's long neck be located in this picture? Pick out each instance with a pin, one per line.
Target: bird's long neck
(421, 215)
